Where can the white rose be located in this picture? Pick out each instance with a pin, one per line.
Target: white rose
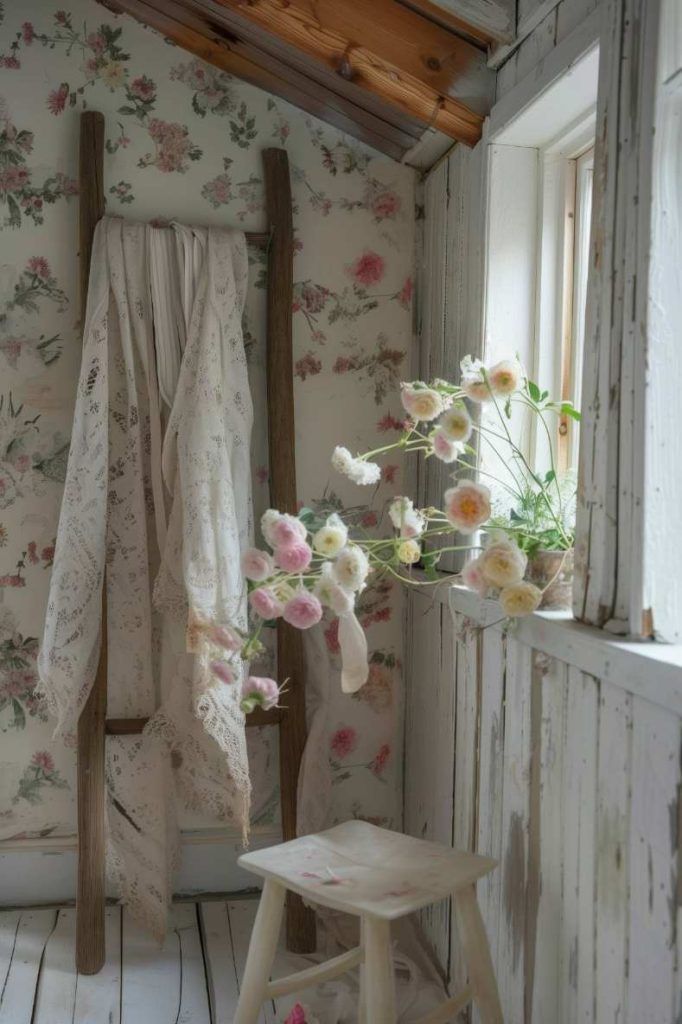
(503, 563)
(351, 567)
(520, 599)
(331, 538)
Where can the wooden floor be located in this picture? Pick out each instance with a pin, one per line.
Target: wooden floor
(193, 979)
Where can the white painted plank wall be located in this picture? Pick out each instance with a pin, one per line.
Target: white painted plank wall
(574, 784)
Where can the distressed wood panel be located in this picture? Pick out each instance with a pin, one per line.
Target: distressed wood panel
(510, 964)
(653, 863)
(430, 744)
(545, 847)
(581, 722)
(574, 783)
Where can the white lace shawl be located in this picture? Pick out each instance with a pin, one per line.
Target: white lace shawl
(195, 737)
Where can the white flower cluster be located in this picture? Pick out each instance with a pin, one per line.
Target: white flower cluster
(357, 470)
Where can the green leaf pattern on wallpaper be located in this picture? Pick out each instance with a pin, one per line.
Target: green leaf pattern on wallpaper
(184, 141)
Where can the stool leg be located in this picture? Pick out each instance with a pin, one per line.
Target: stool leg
(378, 1000)
(261, 953)
(477, 956)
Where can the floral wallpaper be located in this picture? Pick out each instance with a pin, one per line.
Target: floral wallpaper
(183, 141)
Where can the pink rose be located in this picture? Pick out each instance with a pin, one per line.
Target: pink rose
(39, 266)
(27, 32)
(294, 557)
(472, 576)
(386, 204)
(259, 691)
(265, 603)
(368, 269)
(443, 448)
(303, 610)
(41, 759)
(467, 506)
(56, 101)
(343, 742)
(257, 565)
(285, 531)
(379, 763)
(222, 671)
(225, 636)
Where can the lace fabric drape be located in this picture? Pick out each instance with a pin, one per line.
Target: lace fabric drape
(114, 513)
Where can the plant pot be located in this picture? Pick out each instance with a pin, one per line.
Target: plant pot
(553, 570)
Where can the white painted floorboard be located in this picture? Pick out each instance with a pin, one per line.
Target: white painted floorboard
(192, 979)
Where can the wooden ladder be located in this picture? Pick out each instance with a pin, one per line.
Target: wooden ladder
(93, 725)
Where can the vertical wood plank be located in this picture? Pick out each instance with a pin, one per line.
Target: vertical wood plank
(491, 776)
(90, 950)
(468, 639)
(613, 811)
(515, 816)
(18, 994)
(220, 961)
(578, 841)
(430, 746)
(9, 927)
(546, 840)
(56, 995)
(282, 447)
(653, 864)
(98, 997)
(194, 1001)
(147, 967)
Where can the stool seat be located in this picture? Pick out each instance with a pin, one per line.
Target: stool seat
(378, 876)
(362, 869)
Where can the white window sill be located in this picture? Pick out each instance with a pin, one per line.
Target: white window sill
(650, 670)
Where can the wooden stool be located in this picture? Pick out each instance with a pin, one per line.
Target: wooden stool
(379, 876)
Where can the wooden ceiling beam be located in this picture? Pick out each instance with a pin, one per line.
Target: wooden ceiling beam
(197, 33)
(385, 49)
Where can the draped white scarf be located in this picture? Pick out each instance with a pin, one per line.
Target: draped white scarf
(183, 289)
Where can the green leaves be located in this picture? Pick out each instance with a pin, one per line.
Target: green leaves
(568, 409)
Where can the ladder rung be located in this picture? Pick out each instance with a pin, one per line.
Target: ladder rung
(124, 726)
(134, 726)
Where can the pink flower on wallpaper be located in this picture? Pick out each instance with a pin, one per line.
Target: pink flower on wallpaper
(143, 88)
(61, 17)
(173, 146)
(368, 269)
(379, 763)
(12, 179)
(307, 366)
(56, 101)
(389, 422)
(385, 205)
(41, 759)
(12, 580)
(404, 296)
(27, 32)
(368, 519)
(389, 472)
(10, 62)
(47, 554)
(343, 742)
(96, 42)
(39, 266)
(32, 553)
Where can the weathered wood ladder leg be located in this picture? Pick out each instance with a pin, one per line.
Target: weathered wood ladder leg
(91, 725)
(282, 441)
